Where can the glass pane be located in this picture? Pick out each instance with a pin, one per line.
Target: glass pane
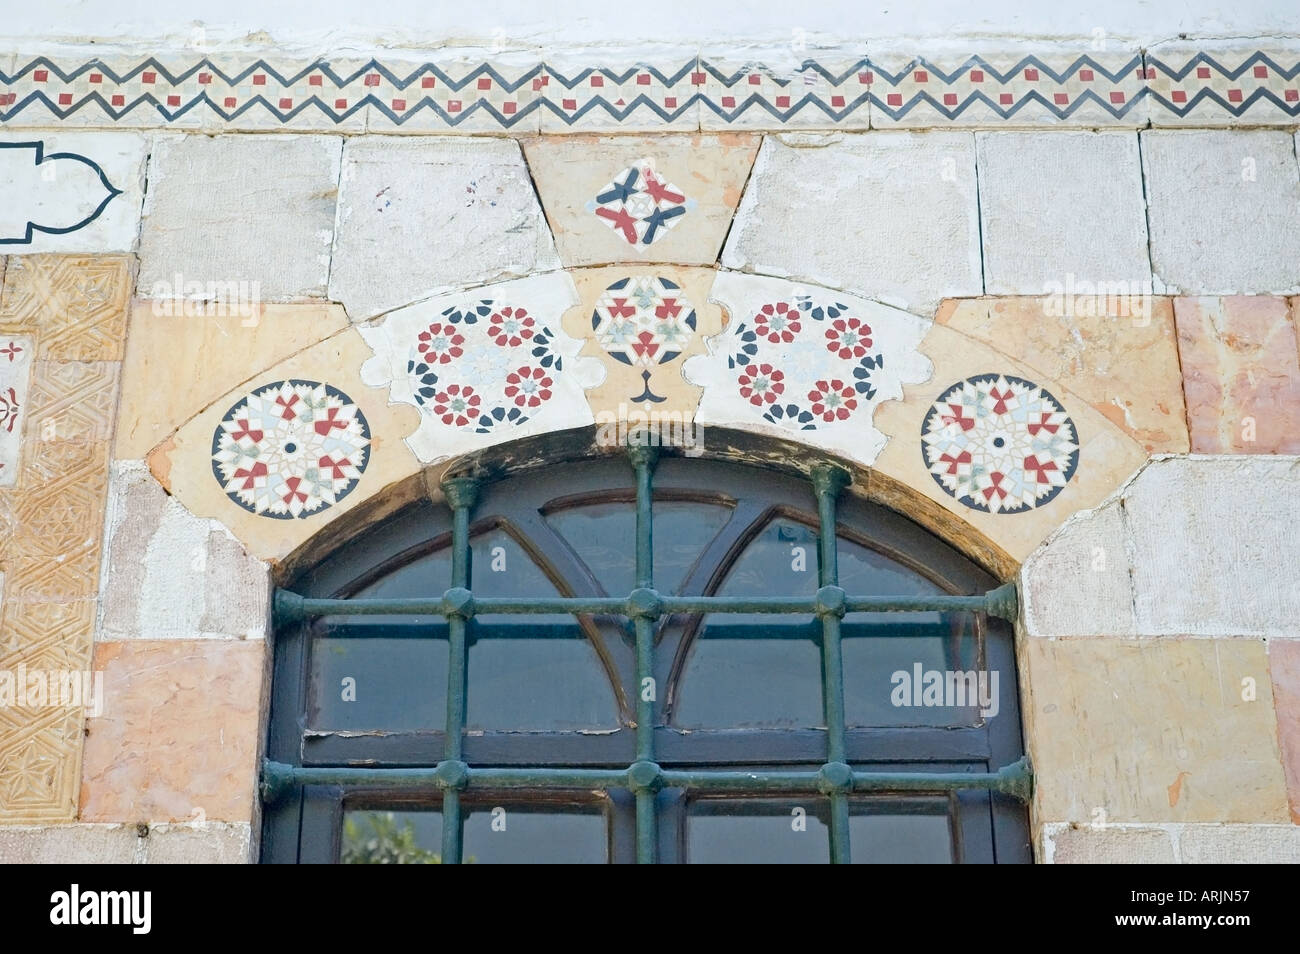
(907, 668)
(916, 831)
(391, 838)
(378, 683)
(536, 834)
(395, 680)
(529, 672)
(604, 536)
(752, 669)
(757, 831)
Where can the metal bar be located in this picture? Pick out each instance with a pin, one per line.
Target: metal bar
(827, 482)
(291, 608)
(279, 778)
(642, 606)
(461, 493)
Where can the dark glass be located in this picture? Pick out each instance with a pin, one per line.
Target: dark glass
(400, 675)
(883, 685)
(536, 834)
(754, 669)
(529, 672)
(604, 537)
(914, 831)
(397, 684)
(758, 831)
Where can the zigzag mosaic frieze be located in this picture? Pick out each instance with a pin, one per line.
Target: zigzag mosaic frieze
(831, 91)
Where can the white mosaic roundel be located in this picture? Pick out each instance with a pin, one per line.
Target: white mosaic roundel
(999, 443)
(291, 449)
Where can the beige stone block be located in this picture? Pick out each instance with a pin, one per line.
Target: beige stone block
(679, 213)
(1108, 845)
(999, 540)
(643, 329)
(69, 845)
(179, 733)
(377, 454)
(1284, 667)
(1152, 730)
(1241, 374)
(177, 362)
(1123, 361)
(77, 304)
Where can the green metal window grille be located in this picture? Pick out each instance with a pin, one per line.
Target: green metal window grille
(835, 779)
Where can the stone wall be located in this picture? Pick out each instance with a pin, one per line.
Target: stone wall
(1097, 249)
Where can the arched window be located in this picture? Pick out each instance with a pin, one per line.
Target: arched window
(645, 660)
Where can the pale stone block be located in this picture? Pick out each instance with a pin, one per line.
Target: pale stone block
(431, 215)
(252, 209)
(1077, 584)
(170, 575)
(890, 216)
(69, 845)
(1239, 844)
(1107, 845)
(200, 843)
(1062, 208)
(1152, 730)
(1224, 209)
(180, 731)
(71, 192)
(1213, 540)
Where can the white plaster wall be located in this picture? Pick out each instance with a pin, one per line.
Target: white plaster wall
(563, 23)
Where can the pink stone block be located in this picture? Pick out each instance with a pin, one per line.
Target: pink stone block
(178, 736)
(1241, 374)
(1284, 667)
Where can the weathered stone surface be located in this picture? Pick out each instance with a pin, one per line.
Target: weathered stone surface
(1106, 844)
(184, 463)
(170, 575)
(71, 192)
(640, 198)
(643, 333)
(1058, 207)
(1106, 457)
(1211, 539)
(1078, 583)
(229, 209)
(177, 363)
(123, 844)
(1284, 667)
(69, 845)
(1224, 210)
(431, 215)
(1152, 730)
(200, 843)
(1239, 844)
(1119, 352)
(163, 749)
(891, 216)
(1241, 374)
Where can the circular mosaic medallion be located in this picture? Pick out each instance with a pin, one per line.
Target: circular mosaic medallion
(805, 364)
(291, 449)
(643, 321)
(999, 443)
(482, 365)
